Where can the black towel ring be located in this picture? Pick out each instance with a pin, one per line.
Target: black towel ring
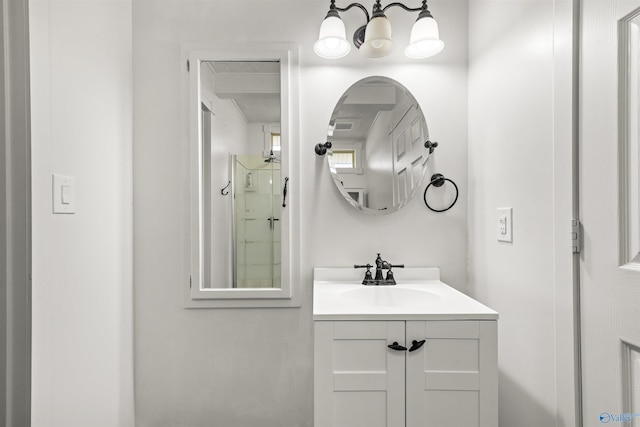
(437, 180)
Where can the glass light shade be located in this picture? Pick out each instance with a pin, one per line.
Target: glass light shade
(377, 38)
(332, 42)
(425, 40)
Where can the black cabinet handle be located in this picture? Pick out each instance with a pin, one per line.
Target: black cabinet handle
(284, 192)
(416, 345)
(396, 346)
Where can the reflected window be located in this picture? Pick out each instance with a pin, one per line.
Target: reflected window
(275, 142)
(343, 159)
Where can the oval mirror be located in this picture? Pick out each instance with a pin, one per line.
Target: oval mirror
(378, 158)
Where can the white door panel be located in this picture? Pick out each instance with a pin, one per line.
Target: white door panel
(610, 275)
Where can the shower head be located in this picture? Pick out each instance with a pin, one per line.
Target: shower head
(272, 158)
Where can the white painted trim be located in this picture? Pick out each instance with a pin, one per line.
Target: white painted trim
(628, 144)
(195, 295)
(565, 199)
(15, 216)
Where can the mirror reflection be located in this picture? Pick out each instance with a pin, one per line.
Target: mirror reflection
(256, 221)
(241, 173)
(378, 158)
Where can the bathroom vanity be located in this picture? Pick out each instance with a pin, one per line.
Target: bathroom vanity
(418, 353)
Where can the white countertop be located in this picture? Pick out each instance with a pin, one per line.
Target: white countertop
(338, 294)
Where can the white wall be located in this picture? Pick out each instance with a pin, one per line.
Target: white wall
(253, 367)
(520, 157)
(81, 97)
(259, 138)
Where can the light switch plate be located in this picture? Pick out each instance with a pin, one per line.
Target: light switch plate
(64, 194)
(505, 225)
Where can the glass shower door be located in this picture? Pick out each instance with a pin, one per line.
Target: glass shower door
(257, 212)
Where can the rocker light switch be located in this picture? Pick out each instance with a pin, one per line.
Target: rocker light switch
(505, 225)
(64, 194)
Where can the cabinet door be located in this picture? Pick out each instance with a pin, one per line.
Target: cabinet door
(359, 382)
(452, 379)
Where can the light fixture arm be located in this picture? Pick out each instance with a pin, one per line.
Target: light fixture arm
(377, 7)
(358, 35)
(378, 10)
(408, 9)
(424, 10)
(352, 5)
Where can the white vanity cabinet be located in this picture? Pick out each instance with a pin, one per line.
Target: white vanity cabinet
(450, 381)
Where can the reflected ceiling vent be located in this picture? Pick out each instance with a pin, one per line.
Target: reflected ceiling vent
(344, 126)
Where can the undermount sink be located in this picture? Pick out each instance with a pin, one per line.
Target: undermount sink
(390, 296)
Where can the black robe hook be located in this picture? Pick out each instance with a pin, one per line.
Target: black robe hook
(225, 188)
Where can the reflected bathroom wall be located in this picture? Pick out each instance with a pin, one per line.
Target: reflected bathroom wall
(222, 132)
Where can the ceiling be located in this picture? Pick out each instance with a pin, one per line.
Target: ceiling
(358, 108)
(253, 86)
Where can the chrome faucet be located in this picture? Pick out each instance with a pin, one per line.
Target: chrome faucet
(379, 279)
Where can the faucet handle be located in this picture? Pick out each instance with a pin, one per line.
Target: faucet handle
(390, 279)
(368, 279)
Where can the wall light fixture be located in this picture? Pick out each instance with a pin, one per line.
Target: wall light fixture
(374, 38)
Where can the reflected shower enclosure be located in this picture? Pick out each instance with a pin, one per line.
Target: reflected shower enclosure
(256, 221)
